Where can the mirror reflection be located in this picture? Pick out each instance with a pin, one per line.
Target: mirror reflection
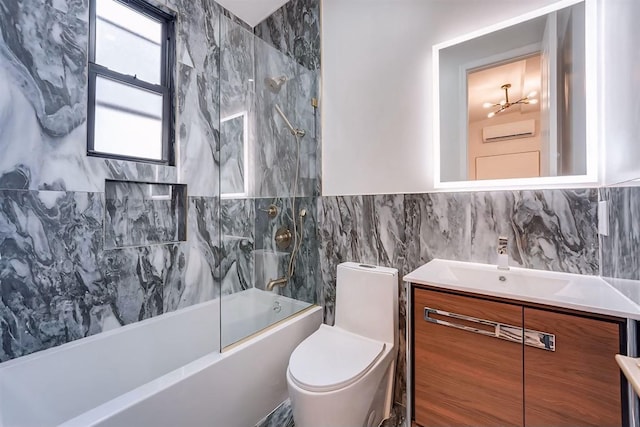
(512, 102)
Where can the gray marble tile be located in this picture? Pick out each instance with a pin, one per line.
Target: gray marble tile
(233, 18)
(138, 214)
(136, 278)
(237, 104)
(295, 30)
(550, 230)
(547, 229)
(306, 267)
(43, 72)
(44, 51)
(277, 154)
(200, 257)
(198, 94)
(619, 251)
(282, 416)
(237, 263)
(367, 229)
(52, 290)
(438, 225)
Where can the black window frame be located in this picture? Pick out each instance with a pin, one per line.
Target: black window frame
(165, 88)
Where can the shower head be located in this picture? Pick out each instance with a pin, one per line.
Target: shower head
(274, 84)
(294, 131)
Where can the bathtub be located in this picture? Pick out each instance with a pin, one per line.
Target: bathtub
(165, 371)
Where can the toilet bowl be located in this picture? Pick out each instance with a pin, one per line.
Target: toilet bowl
(343, 375)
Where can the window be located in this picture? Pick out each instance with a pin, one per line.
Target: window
(130, 114)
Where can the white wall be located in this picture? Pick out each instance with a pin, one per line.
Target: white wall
(620, 109)
(376, 57)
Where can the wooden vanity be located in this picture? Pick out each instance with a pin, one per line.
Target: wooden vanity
(463, 377)
(483, 360)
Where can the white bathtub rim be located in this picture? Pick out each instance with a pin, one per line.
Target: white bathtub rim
(106, 334)
(100, 336)
(129, 399)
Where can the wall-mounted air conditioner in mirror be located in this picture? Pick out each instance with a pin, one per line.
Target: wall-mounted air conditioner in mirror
(515, 103)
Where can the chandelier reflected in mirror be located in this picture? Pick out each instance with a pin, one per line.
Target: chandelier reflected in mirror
(505, 104)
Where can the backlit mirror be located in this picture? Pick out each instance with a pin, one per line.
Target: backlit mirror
(512, 102)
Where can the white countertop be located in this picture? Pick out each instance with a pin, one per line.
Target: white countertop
(590, 294)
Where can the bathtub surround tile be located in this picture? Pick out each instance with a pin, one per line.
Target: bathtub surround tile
(620, 259)
(200, 258)
(233, 18)
(198, 94)
(237, 107)
(137, 278)
(58, 284)
(139, 214)
(51, 72)
(295, 30)
(547, 229)
(51, 285)
(274, 262)
(43, 70)
(277, 151)
(236, 263)
(43, 141)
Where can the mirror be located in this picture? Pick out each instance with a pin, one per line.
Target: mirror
(512, 102)
(234, 153)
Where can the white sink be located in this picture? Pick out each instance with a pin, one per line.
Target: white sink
(575, 291)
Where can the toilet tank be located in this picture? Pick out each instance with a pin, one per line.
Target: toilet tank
(367, 301)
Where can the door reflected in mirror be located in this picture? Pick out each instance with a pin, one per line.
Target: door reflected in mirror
(512, 102)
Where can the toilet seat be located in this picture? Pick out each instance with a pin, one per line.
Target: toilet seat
(332, 358)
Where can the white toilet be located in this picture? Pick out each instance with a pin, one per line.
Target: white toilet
(342, 375)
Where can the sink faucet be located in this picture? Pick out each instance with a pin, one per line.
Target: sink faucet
(503, 256)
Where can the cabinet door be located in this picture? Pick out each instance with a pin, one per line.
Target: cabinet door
(463, 377)
(579, 383)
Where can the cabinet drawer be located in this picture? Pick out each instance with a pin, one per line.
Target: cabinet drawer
(462, 377)
(579, 383)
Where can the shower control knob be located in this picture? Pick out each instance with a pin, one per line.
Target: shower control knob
(283, 238)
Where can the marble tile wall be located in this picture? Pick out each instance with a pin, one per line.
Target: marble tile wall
(58, 279)
(295, 30)
(547, 229)
(619, 250)
(275, 262)
(250, 256)
(138, 214)
(277, 153)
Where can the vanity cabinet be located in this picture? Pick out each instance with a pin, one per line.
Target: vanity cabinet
(465, 378)
(579, 383)
(491, 362)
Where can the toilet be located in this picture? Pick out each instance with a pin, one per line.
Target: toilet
(343, 375)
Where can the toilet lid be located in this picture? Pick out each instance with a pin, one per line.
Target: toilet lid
(332, 358)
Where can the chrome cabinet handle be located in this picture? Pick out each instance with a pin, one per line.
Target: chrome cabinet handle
(529, 337)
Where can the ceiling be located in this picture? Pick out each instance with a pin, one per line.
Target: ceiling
(484, 86)
(252, 11)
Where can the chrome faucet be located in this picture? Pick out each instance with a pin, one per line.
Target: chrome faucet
(276, 282)
(503, 255)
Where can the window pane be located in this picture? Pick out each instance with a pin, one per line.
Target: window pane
(128, 120)
(128, 41)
